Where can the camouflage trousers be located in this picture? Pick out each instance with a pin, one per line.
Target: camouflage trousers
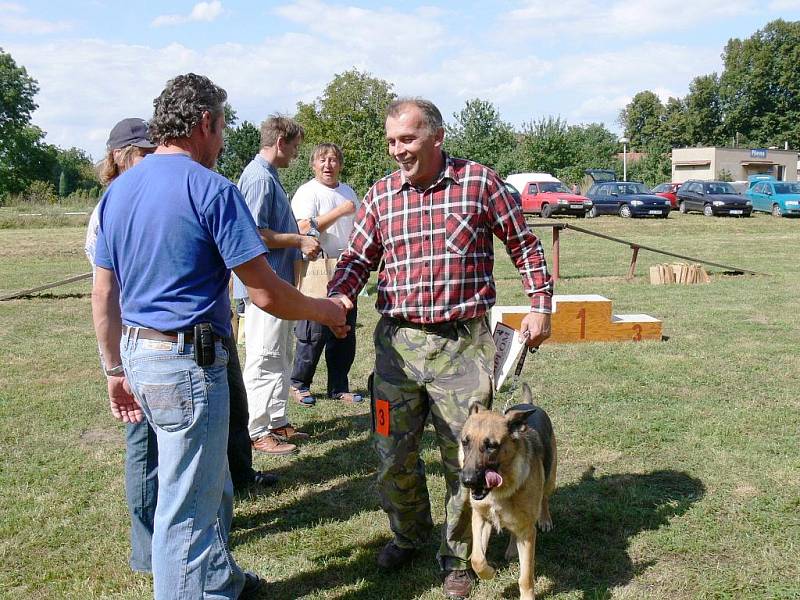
(419, 373)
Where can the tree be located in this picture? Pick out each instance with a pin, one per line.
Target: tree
(593, 146)
(704, 111)
(760, 85)
(675, 129)
(242, 143)
(75, 169)
(17, 90)
(62, 184)
(544, 146)
(551, 146)
(655, 165)
(641, 119)
(24, 158)
(479, 134)
(20, 143)
(350, 112)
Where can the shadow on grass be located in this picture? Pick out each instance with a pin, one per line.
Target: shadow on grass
(356, 460)
(50, 296)
(355, 565)
(595, 519)
(348, 565)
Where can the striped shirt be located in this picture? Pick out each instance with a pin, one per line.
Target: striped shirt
(438, 248)
(269, 205)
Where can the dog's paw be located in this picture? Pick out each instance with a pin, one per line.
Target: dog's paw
(545, 524)
(484, 571)
(487, 572)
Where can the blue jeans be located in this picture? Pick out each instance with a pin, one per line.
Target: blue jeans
(188, 408)
(141, 488)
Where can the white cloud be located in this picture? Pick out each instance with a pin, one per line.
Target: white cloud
(784, 5)
(622, 18)
(202, 11)
(599, 109)
(491, 75)
(89, 84)
(654, 16)
(642, 66)
(404, 37)
(14, 20)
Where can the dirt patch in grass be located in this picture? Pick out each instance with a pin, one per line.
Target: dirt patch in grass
(745, 490)
(759, 319)
(92, 437)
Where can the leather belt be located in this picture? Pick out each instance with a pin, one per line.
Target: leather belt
(163, 336)
(448, 329)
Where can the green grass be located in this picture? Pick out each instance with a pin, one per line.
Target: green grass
(679, 466)
(39, 216)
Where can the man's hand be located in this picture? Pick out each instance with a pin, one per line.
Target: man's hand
(309, 246)
(124, 406)
(341, 328)
(535, 329)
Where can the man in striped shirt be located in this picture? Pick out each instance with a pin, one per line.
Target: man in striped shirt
(432, 223)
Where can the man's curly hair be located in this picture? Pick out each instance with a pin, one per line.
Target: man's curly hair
(181, 105)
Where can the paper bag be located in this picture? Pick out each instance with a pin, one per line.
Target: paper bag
(312, 276)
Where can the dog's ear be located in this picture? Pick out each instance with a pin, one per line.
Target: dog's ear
(527, 394)
(475, 408)
(517, 420)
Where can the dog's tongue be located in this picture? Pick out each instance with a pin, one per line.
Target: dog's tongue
(493, 479)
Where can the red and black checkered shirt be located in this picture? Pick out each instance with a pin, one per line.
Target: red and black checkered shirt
(437, 246)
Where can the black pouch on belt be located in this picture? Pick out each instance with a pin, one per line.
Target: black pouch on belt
(204, 345)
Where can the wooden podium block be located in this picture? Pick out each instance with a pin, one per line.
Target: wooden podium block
(585, 318)
(634, 328)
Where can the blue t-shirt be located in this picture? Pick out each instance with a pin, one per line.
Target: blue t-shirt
(269, 205)
(171, 230)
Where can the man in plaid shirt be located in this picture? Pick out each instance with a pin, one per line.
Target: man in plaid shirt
(431, 222)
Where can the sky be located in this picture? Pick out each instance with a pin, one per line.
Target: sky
(99, 61)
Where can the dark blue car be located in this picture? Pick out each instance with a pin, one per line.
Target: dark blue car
(624, 198)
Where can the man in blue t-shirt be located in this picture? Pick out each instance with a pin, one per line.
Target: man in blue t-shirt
(268, 339)
(170, 231)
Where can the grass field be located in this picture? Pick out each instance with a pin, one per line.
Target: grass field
(679, 472)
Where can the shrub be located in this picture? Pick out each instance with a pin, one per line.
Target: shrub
(724, 175)
(40, 192)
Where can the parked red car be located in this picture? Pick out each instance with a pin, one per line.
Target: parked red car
(543, 194)
(668, 191)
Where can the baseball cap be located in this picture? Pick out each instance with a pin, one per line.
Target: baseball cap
(129, 132)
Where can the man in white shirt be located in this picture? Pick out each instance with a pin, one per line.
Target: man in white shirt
(328, 206)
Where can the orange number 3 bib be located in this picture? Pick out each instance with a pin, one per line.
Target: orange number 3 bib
(382, 417)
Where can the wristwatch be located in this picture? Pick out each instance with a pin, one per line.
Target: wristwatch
(313, 223)
(114, 371)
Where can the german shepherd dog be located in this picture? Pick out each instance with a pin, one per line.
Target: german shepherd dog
(508, 463)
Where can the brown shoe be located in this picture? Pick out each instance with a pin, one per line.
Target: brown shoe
(287, 433)
(393, 556)
(270, 444)
(458, 584)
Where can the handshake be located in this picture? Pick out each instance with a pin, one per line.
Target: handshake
(333, 313)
